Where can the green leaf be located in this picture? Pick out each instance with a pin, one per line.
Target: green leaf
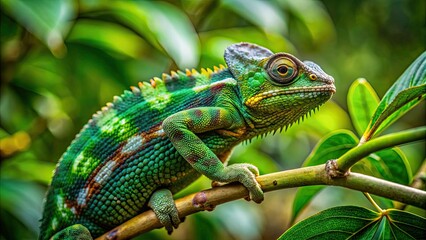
(264, 14)
(23, 200)
(303, 197)
(253, 155)
(407, 92)
(362, 102)
(315, 18)
(352, 222)
(214, 42)
(164, 26)
(108, 36)
(323, 122)
(406, 224)
(331, 146)
(389, 164)
(47, 20)
(22, 167)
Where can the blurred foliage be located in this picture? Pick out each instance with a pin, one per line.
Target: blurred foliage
(63, 60)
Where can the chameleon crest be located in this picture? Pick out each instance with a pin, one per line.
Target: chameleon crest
(156, 139)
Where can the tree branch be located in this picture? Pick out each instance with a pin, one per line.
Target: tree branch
(347, 160)
(316, 175)
(419, 182)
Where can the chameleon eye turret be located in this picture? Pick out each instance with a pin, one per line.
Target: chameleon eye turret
(282, 69)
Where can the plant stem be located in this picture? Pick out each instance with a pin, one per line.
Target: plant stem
(372, 201)
(315, 175)
(419, 182)
(347, 160)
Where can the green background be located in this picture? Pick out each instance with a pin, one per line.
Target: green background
(61, 61)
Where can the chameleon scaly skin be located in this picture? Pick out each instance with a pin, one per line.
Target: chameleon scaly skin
(155, 140)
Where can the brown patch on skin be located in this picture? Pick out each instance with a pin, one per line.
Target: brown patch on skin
(72, 204)
(198, 113)
(210, 162)
(189, 122)
(224, 156)
(92, 185)
(177, 136)
(217, 88)
(275, 183)
(154, 132)
(238, 133)
(119, 158)
(195, 103)
(93, 189)
(216, 118)
(192, 158)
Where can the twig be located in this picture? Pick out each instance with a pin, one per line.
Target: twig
(356, 154)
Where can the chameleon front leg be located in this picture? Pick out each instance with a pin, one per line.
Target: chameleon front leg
(181, 128)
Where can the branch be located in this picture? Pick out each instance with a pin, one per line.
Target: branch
(419, 182)
(347, 160)
(316, 175)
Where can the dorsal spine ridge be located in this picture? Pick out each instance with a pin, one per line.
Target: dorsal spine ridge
(154, 83)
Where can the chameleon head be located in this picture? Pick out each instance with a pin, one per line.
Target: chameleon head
(277, 88)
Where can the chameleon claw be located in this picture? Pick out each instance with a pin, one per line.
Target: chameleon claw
(246, 175)
(165, 209)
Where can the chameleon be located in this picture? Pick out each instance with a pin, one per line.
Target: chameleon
(160, 136)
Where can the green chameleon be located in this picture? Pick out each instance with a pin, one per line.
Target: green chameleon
(156, 139)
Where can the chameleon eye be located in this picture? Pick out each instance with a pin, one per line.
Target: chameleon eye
(281, 69)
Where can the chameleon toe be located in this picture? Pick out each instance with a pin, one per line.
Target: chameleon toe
(164, 208)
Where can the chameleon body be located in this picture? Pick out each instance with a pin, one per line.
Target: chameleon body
(156, 139)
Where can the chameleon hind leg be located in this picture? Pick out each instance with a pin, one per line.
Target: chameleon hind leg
(181, 128)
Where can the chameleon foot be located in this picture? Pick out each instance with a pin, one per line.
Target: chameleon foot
(165, 209)
(73, 232)
(246, 175)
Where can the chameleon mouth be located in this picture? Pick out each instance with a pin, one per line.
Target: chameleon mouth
(319, 89)
(273, 93)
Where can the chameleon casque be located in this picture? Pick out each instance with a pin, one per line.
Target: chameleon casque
(156, 139)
